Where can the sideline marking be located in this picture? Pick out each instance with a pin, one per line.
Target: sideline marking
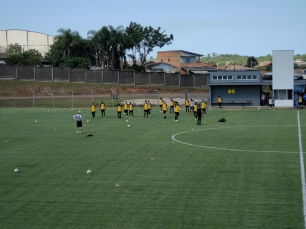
(302, 168)
(228, 149)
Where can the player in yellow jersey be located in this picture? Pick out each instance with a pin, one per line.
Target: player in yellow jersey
(187, 105)
(131, 111)
(300, 101)
(149, 107)
(125, 109)
(177, 111)
(195, 110)
(203, 107)
(219, 101)
(93, 110)
(171, 106)
(119, 110)
(102, 107)
(161, 104)
(164, 108)
(145, 109)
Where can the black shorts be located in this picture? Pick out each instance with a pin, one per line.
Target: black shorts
(172, 107)
(79, 123)
(160, 105)
(177, 113)
(164, 112)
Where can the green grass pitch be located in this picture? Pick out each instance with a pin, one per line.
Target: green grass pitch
(244, 173)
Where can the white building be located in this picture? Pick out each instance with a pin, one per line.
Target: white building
(283, 80)
(27, 39)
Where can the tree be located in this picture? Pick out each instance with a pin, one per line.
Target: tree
(31, 57)
(14, 48)
(145, 39)
(70, 50)
(251, 62)
(133, 38)
(67, 39)
(115, 41)
(151, 38)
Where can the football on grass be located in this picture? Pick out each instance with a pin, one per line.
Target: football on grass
(88, 171)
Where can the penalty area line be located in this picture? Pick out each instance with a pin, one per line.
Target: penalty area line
(302, 168)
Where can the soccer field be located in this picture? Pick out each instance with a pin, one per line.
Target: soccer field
(157, 173)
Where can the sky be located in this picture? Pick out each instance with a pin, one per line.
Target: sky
(243, 27)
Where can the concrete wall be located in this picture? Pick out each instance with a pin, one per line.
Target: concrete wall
(27, 39)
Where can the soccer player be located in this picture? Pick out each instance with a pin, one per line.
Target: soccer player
(149, 107)
(219, 100)
(203, 107)
(195, 110)
(199, 115)
(177, 111)
(119, 110)
(78, 118)
(125, 109)
(161, 104)
(191, 105)
(131, 109)
(171, 106)
(164, 108)
(145, 109)
(187, 105)
(93, 110)
(102, 106)
(300, 101)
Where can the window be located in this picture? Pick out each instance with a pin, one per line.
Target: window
(219, 77)
(161, 60)
(214, 77)
(168, 59)
(238, 77)
(254, 77)
(230, 77)
(224, 77)
(249, 77)
(244, 77)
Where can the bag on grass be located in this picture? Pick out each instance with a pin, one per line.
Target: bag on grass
(222, 120)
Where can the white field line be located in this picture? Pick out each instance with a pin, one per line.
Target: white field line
(302, 168)
(228, 149)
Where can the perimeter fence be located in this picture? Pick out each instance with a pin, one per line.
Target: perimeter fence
(102, 76)
(56, 99)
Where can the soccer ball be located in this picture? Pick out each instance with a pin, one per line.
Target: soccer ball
(127, 120)
(16, 170)
(87, 120)
(128, 125)
(88, 171)
(35, 120)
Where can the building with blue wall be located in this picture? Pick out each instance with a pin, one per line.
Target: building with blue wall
(237, 88)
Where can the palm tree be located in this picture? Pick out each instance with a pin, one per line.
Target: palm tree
(115, 41)
(68, 39)
(100, 39)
